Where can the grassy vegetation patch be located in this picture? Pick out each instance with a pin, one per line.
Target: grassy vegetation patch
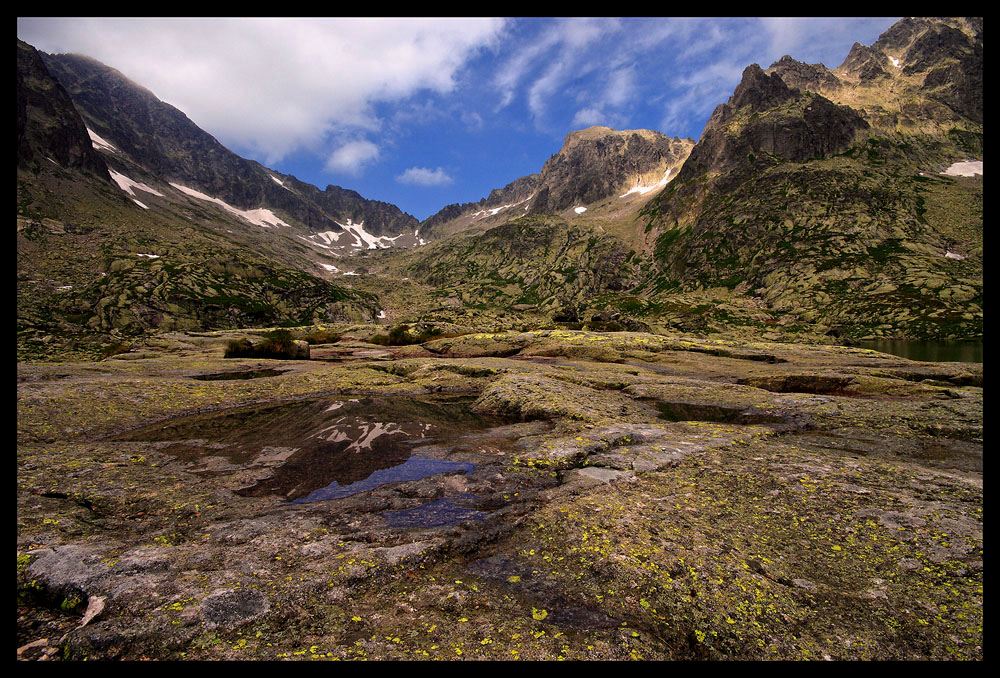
(278, 344)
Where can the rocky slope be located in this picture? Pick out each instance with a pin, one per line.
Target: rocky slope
(153, 142)
(49, 129)
(96, 270)
(528, 264)
(822, 195)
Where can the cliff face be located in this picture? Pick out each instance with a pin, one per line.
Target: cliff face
(49, 129)
(766, 121)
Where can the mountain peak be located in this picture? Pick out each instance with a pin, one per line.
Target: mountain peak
(803, 76)
(757, 89)
(597, 162)
(865, 63)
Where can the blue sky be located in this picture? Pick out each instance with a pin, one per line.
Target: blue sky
(425, 112)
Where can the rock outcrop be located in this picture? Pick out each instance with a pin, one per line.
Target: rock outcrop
(599, 162)
(49, 129)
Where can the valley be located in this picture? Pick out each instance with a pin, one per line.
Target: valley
(625, 408)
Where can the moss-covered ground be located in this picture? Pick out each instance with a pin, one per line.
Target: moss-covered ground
(645, 497)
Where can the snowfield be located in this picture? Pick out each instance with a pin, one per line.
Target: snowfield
(492, 211)
(258, 217)
(127, 185)
(965, 169)
(99, 143)
(643, 190)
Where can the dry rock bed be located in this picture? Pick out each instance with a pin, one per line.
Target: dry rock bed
(523, 495)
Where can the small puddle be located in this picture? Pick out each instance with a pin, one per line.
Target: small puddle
(318, 450)
(438, 513)
(414, 468)
(818, 384)
(679, 411)
(248, 374)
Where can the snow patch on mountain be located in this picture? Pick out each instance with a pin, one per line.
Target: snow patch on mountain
(258, 217)
(329, 236)
(895, 62)
(127, 184)
(280, 183)
(100, 143)
(490, 212)
(579, 210)
(374, 242)
(139, 204)
(643, 190)
(965, 169)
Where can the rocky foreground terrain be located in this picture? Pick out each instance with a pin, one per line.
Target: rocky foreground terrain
(554, 494)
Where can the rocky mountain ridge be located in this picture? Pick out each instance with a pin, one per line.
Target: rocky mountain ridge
(816, 203)
(592, 165)
(156, 144)
(824, 194)
(97, 268)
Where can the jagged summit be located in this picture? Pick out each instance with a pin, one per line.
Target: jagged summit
(758, 90)
(921, 43)
(865, 63)
(800, 75)
(766, 120)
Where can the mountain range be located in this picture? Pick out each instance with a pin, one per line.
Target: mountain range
(818, 204)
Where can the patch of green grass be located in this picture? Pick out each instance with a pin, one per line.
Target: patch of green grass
(277, 344)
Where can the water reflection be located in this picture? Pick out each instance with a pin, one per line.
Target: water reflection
(439, 513)
(930, 351)
(413, 468)
(323, 449)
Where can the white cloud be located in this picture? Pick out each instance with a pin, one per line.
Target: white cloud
(423, 176)
(587, 117)
(621, 87)
(275, 85)
(352, 157)
(550, 60)
(812, 39)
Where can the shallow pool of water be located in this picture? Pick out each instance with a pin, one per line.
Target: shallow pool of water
(414, 468)
(326, 449)
(438, 513)
(930, 351)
